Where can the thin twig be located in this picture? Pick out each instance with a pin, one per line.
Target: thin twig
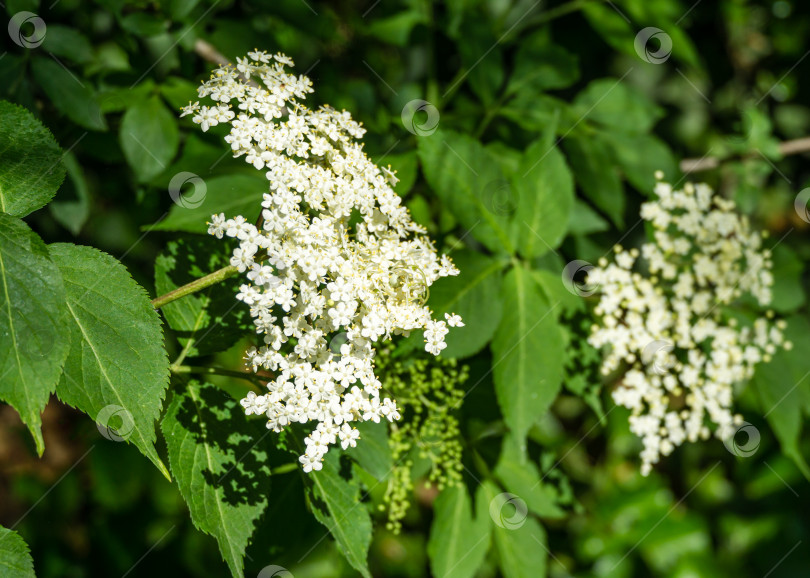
(789, 147)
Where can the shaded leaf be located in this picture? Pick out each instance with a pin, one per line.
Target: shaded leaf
(595, 168)
(71, 95)
(475, 295)
(219, 464)
(212, 318)
(149, 137)
(30, 167)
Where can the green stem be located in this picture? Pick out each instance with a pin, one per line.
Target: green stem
(194, 286)
(254, 379)
(284, 469)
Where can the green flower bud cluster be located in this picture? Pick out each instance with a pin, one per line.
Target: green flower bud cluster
(427, 441)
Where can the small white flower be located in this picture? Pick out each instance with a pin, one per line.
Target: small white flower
(453, 320)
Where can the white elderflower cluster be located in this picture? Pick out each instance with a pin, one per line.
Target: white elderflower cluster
(668, 321)
(335, 264)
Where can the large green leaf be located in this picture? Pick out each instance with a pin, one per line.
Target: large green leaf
(528, 353)
(220, 468)
(33, 332)
(30, 167)
(783, 386)
(336, 504)
(117, 364)
(210, 320)
(596, 173)
(149, 137)
(541, 65)
(469, 182)
(475, 294)
(15, 559)
(239, 194)
(545, 197)
(458, 543)
(519, 539)
(71, 95)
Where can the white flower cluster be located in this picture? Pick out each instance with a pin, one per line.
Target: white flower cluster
(667, 321)
(335, 264)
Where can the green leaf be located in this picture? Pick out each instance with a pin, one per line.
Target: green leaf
(71, 95)
(68, 43)
(15, 559)
(220, 468)
(612, 103)
(34, 340)
(481, 55)
(73, 213)
(211, 318)
(30, 167)
(396, 29)
(458, 543)
(540, 66)
(788, 294)
(239, 194)
(545, 196)
(640, 156)
(519, 539)
(336, 504)
(521, 477)
(149, 137)
(374, 454)
(595, 168)
(468, 179)
(475, 294)
(527, 352)
(117, 362)
(613, 28)
(584, 220)
(783, 387)
(405, 166)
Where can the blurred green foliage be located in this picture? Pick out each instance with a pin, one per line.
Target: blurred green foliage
(508, 79)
